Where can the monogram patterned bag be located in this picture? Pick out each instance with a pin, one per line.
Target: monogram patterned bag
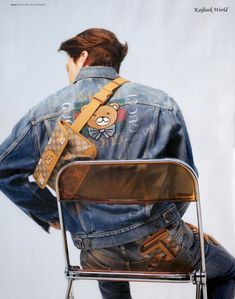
(67, 144)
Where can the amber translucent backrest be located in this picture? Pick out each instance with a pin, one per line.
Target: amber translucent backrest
(125, 182)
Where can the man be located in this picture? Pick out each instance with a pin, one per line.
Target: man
(146, 123)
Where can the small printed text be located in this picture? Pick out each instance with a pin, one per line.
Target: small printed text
(211, 9)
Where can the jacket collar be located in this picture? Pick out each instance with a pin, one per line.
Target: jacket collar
(97, 72)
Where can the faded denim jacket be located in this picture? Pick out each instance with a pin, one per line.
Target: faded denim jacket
(138, 122)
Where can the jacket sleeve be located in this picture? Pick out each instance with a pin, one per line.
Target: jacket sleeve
(18, 158)
(171, 139)
(179, 145)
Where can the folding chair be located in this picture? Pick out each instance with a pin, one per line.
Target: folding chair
(129, 182)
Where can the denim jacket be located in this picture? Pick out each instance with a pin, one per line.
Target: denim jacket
(138, 122)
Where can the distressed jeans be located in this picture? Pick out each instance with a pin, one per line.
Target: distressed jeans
(220, 265)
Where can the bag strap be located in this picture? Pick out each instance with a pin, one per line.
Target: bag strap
(100, 98)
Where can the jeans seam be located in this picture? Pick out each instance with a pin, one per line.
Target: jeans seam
(91, 259)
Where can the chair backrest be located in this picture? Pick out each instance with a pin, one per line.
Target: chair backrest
(127, 181)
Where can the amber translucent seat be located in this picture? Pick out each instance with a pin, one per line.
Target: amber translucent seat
(129, 182)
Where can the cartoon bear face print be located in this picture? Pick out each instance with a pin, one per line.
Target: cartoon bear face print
(102, 122)
(104, 117)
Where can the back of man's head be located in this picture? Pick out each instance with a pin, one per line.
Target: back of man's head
(103, 47)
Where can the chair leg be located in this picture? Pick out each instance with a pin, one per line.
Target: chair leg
(69, 292)
(201, 291)
(204, 291)
(198, 291)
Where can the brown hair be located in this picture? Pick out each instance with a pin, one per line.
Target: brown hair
(102, 46)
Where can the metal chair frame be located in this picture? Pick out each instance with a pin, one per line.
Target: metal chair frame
(75, 272)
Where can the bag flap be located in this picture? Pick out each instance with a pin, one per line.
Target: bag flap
(85, 147)
(51, 155)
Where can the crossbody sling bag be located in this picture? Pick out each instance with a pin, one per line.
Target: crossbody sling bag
(66, 144)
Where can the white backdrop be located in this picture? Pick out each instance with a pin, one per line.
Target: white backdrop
(188, 54)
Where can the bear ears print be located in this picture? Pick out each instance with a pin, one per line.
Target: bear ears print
(115, 105)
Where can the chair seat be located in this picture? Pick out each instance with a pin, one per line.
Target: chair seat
(74, 272)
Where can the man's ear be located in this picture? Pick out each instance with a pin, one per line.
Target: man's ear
(83, 59)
